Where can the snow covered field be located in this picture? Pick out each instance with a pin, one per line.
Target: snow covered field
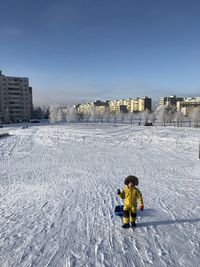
(58, 191)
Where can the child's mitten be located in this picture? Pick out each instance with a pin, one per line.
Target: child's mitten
(118, 191)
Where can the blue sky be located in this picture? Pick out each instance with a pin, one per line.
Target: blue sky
(107, 49)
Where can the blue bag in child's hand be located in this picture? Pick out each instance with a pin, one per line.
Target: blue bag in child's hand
(119, 210)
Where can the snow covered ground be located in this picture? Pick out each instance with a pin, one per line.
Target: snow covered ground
(58, 191)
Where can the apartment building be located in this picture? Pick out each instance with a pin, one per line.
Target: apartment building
(83, 108)
(130, 105)
(168, 101)
(144, 103)
(117, 106)
(134, 105)
(188, 104)
(98, 106)
(15, 98)
(114, 106)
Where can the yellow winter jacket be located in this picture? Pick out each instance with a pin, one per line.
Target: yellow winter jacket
(130, 196)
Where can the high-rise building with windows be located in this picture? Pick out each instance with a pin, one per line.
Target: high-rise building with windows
(169, 101)
(116, 106)
(188, 104)
(15, 99)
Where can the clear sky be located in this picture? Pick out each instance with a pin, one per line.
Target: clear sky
(102, 49)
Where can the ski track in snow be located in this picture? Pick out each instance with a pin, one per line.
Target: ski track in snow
(58, 192)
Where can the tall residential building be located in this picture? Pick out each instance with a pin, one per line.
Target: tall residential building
(98, 106)
(131, 104)
(15, 98)
(188, 104)
(114, 106)
(117, 106)
(134, 105)
(145, 103)
(168, 101)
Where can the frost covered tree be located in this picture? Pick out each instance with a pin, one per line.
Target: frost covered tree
(59, 115)
(106, 116)
(178, 117)
(130, 117)
(71, 114)
(54, 115)
(145, 116)
(113, 117)
(93, 115)
(86, 116)
(161, 115)
(99, 116)
(170, 113)
(121, 117)
(152, 117)
(195, 117)
(138, 117)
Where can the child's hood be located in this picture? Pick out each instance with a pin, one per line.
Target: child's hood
(131, 179)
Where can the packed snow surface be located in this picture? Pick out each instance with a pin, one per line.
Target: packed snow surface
(58, 192)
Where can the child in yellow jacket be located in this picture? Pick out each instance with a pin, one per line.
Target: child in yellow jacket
(130, 194)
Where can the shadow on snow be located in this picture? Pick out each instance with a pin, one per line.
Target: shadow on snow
(167, 222)
(151, 213)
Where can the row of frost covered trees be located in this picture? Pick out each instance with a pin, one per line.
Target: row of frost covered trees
(162, 116)
(169, 116)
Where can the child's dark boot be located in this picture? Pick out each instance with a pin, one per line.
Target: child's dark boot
(126, 225)
(133, 224)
